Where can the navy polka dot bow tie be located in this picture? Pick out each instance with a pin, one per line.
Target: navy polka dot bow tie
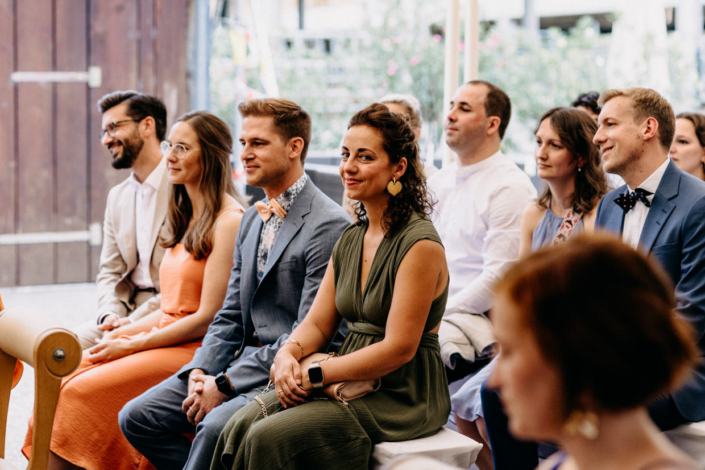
(627, 200)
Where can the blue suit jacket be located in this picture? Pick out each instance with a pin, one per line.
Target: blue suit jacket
(272, 309)
(674, 233)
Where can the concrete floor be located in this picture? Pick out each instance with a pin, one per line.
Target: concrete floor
(73, 304)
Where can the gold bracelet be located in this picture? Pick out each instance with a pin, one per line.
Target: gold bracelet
(293, 341)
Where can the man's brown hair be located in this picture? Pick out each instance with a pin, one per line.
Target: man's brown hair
(497, 103)
(290, 119)
(647, 103)
(139, 106)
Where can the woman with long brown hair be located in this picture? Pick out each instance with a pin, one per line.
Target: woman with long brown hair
(205, 215)
(569, 162)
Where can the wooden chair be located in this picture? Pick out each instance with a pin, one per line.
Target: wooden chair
(54, 353)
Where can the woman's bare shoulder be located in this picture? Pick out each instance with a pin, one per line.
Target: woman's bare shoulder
(532, 216)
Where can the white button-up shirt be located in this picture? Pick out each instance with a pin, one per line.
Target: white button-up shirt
(478, 216)
(145, 206)
(635, 218)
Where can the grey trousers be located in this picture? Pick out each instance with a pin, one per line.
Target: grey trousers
(89, 334)
(155, 424)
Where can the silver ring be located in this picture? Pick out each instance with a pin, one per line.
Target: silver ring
(280, 391)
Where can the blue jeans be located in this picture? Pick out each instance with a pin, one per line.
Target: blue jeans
(155, 424)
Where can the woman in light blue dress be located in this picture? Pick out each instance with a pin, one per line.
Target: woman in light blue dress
(570, 164)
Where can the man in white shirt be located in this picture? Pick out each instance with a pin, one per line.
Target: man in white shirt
(133, 126)
(480, 201)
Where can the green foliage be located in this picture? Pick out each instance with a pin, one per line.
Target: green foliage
(401, 49)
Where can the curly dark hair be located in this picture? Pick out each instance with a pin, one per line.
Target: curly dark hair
(399, 142)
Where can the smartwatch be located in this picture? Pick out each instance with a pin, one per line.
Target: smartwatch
(224, 386)
(315, 375)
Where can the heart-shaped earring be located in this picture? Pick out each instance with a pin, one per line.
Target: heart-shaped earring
(394, 187)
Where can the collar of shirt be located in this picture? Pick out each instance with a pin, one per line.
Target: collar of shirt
(286, 199)
(153, 180)
(464, 172)
(651, 183)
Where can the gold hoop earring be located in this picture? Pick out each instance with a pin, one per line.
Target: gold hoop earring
(394, 187)
(584, 423)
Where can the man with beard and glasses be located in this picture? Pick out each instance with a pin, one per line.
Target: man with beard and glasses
(133, 126)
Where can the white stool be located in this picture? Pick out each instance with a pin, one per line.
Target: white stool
(447, 446)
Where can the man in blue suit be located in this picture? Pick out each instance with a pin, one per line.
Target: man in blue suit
(660, 210)
(281, 253)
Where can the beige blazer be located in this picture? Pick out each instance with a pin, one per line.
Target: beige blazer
(118, 257)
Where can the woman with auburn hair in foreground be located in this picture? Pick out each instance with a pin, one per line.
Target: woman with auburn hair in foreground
(579, 370)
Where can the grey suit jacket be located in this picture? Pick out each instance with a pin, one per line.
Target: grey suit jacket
(118, 257)
(268, 312)
(674, 233)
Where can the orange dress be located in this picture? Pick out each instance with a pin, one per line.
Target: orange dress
(86, 431)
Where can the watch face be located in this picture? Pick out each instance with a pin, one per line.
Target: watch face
(315, 374)
(220, 380)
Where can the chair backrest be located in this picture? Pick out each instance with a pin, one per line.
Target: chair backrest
(54, 352)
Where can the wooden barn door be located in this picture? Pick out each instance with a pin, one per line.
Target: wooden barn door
(54, 174)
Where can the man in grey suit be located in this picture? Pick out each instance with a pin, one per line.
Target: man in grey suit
(133, 126)
(281, 253)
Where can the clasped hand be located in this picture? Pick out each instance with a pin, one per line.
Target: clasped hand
(203, 396)
(290, 382)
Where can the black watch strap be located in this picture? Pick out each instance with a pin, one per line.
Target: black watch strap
(224, 385)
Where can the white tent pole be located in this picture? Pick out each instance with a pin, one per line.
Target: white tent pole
(472, 41)
(269, 77)
(452, 40)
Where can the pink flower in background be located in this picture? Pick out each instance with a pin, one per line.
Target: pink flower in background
(415, 60)
(398, 39)
(437, 37)
(480, 46)
(494, 40)
(461, 46)
(392, 67)
(386, 42)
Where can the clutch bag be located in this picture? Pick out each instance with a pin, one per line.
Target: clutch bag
(340, 391)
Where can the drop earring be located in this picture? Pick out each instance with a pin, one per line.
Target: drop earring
(394, 187)
(584, 423)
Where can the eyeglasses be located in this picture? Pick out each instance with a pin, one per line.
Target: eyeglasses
(111, 127)
(179, 150)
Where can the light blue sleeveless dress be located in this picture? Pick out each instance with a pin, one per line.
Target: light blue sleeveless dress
(466, 401)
